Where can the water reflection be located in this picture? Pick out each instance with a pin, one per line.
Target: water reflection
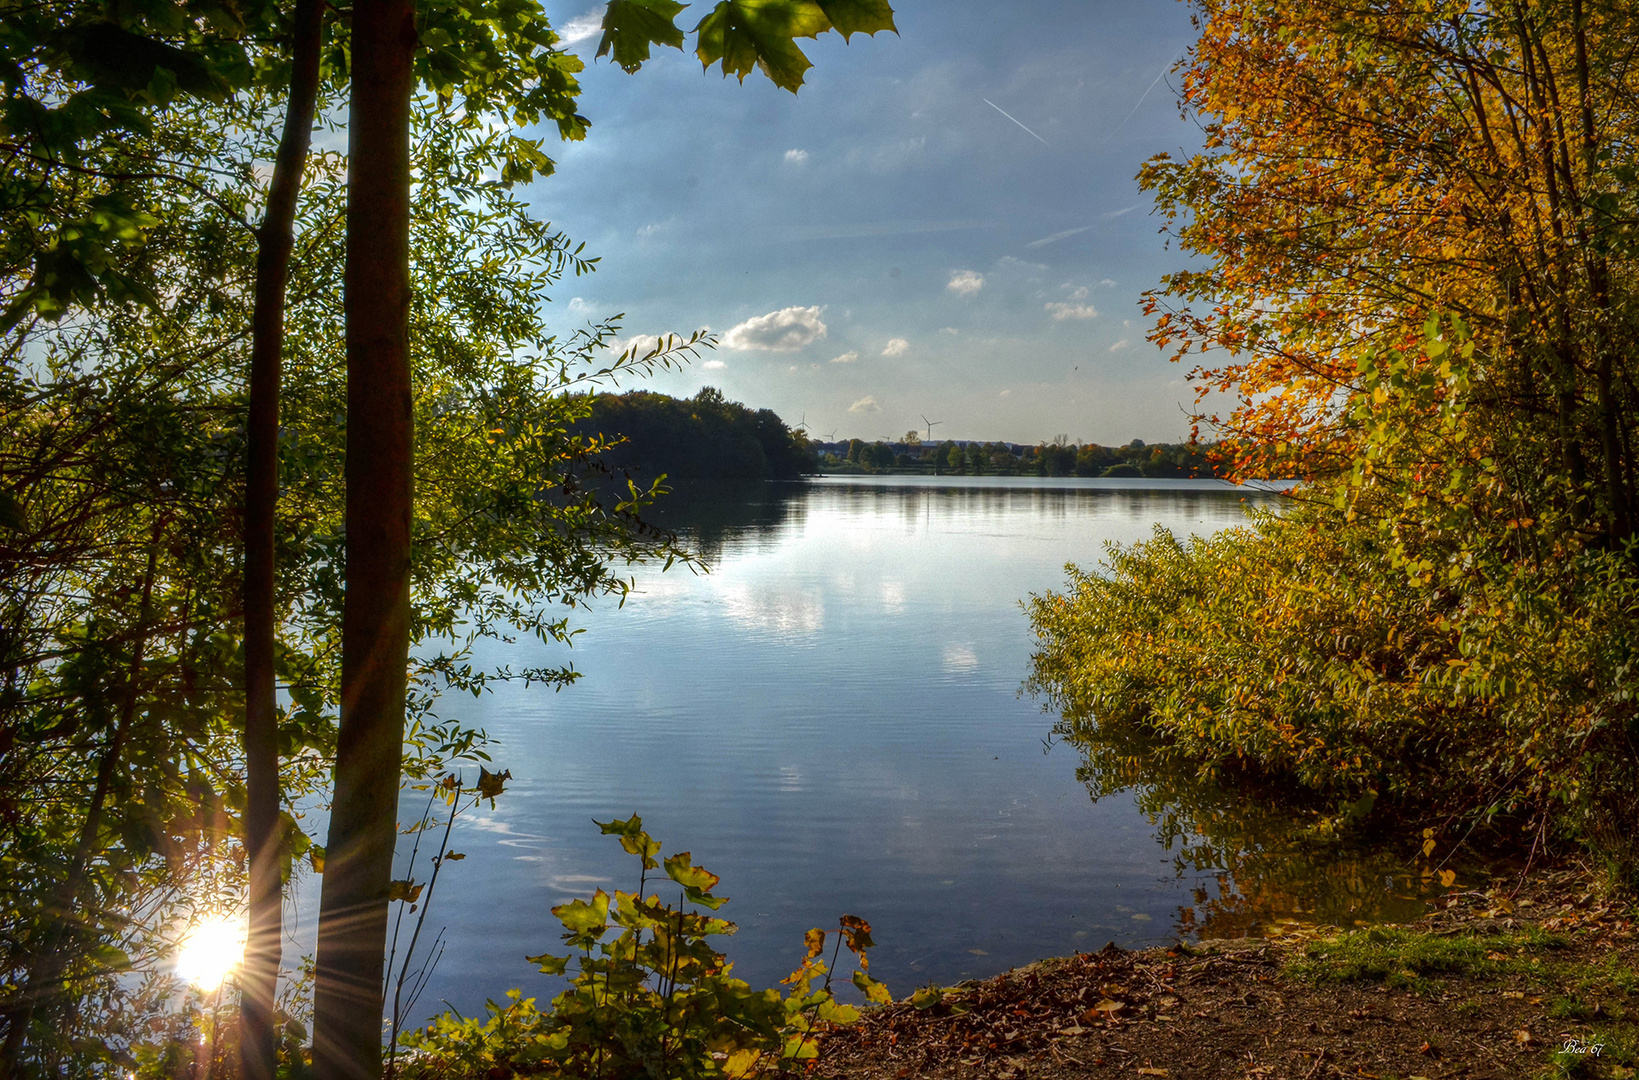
(1261, 860)
(712, 513)
(829, 719)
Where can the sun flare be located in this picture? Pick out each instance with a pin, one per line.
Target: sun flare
(211, 951)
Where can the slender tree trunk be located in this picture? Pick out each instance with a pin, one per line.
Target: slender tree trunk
(258, 982)
(1610, 437)
(376, 612)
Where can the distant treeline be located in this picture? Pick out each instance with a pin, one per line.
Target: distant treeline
(1057, 458)
(704, 436)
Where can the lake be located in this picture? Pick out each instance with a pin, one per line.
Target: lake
(831, 720)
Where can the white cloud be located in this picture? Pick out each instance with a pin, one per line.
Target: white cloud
(951, 330)
(643, 343)
(896, 347)
(786, 330)
(796, 157)
(865, 404)
(577, 306)
(1107, 283)
(714, 365)
(1077, 293)
(1004, 393)
(1118, 346)
(965, 282)
(581, 27)
(846, 358)
(1071, 311)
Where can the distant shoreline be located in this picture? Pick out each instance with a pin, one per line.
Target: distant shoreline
(1087, 483)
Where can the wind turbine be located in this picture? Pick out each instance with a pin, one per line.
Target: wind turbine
(930, 424)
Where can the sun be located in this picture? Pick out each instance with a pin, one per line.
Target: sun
(211, 951)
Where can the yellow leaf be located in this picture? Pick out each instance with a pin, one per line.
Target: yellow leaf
(741, 1063)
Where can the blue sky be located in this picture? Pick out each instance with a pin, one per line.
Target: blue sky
(942, 223)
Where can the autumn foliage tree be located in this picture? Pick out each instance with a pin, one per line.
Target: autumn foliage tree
(1415, 228)
(1368, 166)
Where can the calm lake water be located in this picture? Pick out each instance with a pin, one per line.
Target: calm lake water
(831, 720)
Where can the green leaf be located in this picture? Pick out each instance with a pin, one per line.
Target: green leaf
(927, 997)
(850, 17)
(874, 990)
(697, 881)
(630, 827)
(631, 26)
(549, 964)
(800, 1047)
(743, 34)
(633, 839)
(12, 515)
(585, 922)
(110, 55)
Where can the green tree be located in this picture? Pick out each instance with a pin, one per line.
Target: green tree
(122, 444)
(102, 248)
(375, 619)
(703, 437)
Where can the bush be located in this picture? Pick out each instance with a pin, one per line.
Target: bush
(656, 1000)
(1299, 654)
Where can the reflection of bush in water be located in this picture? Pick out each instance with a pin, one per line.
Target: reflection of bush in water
(709, 513)
(1277, 856)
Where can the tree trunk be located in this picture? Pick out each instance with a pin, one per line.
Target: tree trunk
(259, 977)
(376, 611)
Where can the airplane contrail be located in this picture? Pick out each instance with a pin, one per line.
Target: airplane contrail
(1153, 82)
(1010, 116)
(1056, 237)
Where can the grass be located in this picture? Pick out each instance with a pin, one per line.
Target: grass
(1402, 958)
(1591, 999)
(1604, 1051)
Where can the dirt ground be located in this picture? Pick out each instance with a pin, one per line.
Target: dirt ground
(1525, 979)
